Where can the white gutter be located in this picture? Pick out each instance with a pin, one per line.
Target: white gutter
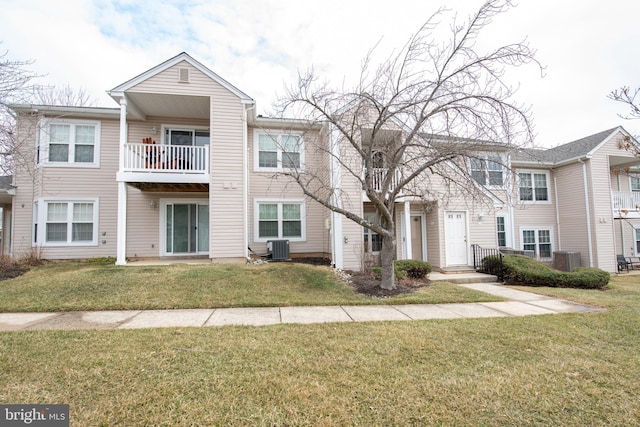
(555, 190)
(587, 206)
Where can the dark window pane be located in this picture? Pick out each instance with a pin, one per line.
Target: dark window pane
(58, 152)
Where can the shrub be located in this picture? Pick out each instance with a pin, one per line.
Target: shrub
(522, 270)
(414, 268)
(377, 273)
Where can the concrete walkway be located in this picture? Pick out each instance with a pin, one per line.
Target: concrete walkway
(520, 304)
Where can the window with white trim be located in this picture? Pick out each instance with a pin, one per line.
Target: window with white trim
(634, 182)
(66, 222)
(501, 228)
(372, 240)
(487, 170)
(637, 240)
(538, 240)
(283, 219)
(278, 151)
(70, 143)
(533, 186)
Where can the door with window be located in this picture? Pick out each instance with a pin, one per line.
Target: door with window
(456, 238)
(186, 228)
(183, 152)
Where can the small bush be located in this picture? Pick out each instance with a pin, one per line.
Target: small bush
(377, 273)
(522, 270)
(414, 268)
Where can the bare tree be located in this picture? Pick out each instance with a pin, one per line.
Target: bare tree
(627, 96)
(410, 122)
(63, 95)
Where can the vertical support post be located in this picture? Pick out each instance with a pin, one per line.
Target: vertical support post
(121, 244)
(407, 230)
(337, 248)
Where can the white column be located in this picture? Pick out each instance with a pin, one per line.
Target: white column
(337, 248)
(407, 229)
(121, 237)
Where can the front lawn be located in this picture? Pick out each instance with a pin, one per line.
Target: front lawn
(561, 369)
(71, 286)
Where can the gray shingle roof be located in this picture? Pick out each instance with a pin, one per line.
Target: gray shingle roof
(570, 150)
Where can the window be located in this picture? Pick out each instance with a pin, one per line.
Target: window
(487, 170)
(537, 240)
(190, 137)
(279, 220)
(66, 222)
(278, 151)
(637, 236)
(502, 231)
(635, 183)
(70, 143)
(372, 240)
(533, 186)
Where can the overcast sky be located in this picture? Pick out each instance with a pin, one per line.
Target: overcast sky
(589, 47)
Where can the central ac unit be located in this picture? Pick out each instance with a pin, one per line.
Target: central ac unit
(278, 250)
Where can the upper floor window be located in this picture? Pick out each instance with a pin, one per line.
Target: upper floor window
(635, 183)
(70, 143)
(278, 151)
(487, 170)
(533, 186)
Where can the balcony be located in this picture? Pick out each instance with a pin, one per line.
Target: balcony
(625, 204)
(378, 175)
(164, 163)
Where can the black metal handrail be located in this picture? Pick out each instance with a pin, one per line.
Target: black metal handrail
(488, 260)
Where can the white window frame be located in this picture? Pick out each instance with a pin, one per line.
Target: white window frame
(277, 135)
(636, 179)
(485, 159)
(507, 228)
(169, 127)
(41, 217)
(533, 172)
(537, 230)
(636, 240)
(44, 140)
(369, 233)
(279, 202)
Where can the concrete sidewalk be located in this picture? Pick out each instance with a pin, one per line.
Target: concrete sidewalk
(520, 304)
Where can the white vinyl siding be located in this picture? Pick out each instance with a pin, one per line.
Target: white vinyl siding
(278, 151)
(533, 186)
(67, 143)
(66, 222)
(279, 219)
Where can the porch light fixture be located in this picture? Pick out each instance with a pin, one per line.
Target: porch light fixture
(154, 130)
(481, 216)
(152, 204)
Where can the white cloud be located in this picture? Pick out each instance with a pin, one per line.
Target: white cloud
(588, 47)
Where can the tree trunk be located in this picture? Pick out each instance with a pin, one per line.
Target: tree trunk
(387, 257)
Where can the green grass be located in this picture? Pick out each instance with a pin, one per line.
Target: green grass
(93, 286)
(568, 369)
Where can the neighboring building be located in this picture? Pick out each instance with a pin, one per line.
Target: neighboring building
(184, 168)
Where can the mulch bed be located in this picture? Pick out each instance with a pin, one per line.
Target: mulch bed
(12, 270)
(366, 284)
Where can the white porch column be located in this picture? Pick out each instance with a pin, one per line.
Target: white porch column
(407, 229)
(337, 248)
(121, 237)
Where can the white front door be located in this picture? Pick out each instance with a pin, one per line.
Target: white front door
(456, 238)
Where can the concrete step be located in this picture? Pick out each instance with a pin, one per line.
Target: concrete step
(462, 278)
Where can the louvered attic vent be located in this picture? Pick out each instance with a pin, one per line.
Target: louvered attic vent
(183, 75)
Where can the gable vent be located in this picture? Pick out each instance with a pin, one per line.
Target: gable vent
(183, 75)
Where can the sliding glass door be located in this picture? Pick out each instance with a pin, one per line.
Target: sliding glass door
(186, 228)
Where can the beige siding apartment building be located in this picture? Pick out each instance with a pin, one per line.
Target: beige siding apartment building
(183, 167)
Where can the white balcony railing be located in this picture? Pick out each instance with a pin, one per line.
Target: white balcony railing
(625, 201)
(378, 175)
(182, 159)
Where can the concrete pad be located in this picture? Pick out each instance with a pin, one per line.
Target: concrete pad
(426, 312)
(372, 313)
(504, 292)
(472, 310)
(517, 308)
(17, 321)
(563, 306)
(168, 319)
(460, 278)
(313, 314)
(253, 316)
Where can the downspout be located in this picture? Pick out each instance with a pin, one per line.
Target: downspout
(587, 206)
(555, 190)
